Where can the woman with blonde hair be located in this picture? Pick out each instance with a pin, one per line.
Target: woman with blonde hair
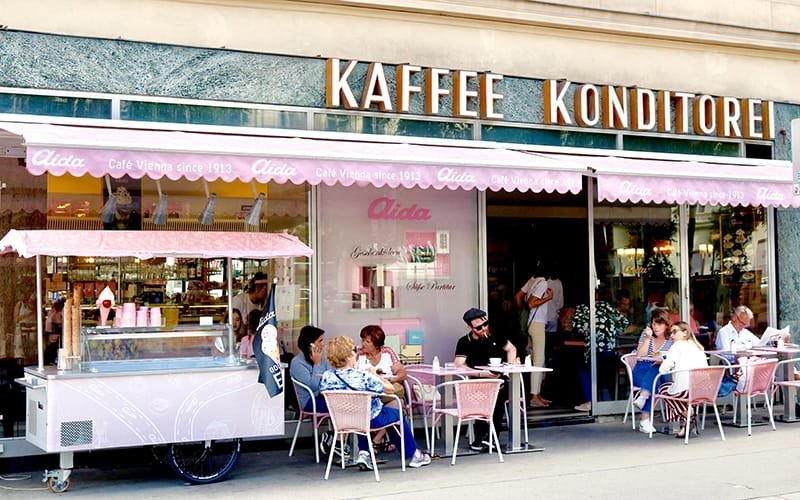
(686, 353)
(341, 354)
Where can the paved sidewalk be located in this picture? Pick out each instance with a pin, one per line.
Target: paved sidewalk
(602, 460)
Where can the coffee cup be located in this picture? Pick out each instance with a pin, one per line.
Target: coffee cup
(495, 361)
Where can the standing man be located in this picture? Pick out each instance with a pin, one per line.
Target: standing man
(535, 294)
(474, 349)
(252, 297)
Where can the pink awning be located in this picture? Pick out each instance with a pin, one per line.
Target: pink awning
(733, 181)
(149, 244)
(136, 152)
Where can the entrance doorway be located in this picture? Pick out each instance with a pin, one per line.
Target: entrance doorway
(543, 235)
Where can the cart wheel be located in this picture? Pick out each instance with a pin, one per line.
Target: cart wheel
(204, 462)
(56, 486)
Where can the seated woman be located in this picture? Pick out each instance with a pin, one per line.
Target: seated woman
(309, 367)
(652, 342)
(685, 353)
(387, 365)
(341, 354)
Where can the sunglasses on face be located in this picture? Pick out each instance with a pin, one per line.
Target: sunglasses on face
(481, 326)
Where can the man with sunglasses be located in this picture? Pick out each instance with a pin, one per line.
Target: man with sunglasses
(475, 349)
(735, 333)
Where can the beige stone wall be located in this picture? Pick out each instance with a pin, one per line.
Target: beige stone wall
(747, 48)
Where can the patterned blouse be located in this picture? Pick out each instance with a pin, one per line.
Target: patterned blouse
(343, 379)
(610, 324)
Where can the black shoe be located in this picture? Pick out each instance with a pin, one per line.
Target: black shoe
(326, 442)
(480, 446)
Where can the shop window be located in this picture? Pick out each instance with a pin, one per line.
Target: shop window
(391, 126)
(55, 106)
(684, 146)
(760, 151)
(546, 137)
(211, 115)
(404, 259)
(728, 265)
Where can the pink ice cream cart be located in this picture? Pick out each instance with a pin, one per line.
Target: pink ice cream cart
(127, 386)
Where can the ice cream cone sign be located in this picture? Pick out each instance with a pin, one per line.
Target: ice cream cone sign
(105, 302)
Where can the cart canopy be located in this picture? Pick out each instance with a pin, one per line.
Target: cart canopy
(149, 244)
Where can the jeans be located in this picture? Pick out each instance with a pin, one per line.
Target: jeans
(385, 417)
(644, 373)
(322, 406)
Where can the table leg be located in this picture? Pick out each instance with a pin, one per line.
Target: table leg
(514, 414)
(515, 438)
(449, 423)
(789, 392)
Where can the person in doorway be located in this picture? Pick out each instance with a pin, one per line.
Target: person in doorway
(475, 349)
(653, 341)
(535, 295)
(609, 324)
(557, 302)
(252, 297)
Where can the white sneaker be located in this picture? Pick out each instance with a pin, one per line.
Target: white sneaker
(646, 427)
(640, 401)
(364, 461)
(584, 406)
(419, 459)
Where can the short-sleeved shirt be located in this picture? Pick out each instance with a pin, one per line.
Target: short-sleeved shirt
(388, 359)
(651, 347)
(479, 351)
(536, 287)
(355, 380)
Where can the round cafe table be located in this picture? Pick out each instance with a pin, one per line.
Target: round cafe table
(516, 444)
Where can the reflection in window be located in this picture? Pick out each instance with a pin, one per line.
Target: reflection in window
(728, 264)
(637, 259)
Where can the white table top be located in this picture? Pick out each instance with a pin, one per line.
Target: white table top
(506, 368)
(443, 371)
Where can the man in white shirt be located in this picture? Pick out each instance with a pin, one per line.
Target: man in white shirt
(735, 333)
(252, 297)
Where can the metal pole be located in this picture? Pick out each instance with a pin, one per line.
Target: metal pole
(39, 319)
(230, 307)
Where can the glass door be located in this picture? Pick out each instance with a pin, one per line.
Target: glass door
(637, 263)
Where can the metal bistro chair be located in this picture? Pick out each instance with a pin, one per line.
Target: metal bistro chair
(475, 400)
(703, 388)
(350, 414)
(629, 361)
(315, 416)
(417, 396)
(759, 377)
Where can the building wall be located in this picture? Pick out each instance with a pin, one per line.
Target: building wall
(740, 48)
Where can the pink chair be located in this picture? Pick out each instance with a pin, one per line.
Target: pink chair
(759, 377)
(422, 405)
(316, 417)
(703, 388)
(475, 400)
(629, 361)
(350, 414)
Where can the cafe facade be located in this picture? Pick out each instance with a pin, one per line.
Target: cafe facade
(433, 159)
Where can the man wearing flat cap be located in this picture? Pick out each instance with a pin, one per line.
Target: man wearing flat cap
(474, 349)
